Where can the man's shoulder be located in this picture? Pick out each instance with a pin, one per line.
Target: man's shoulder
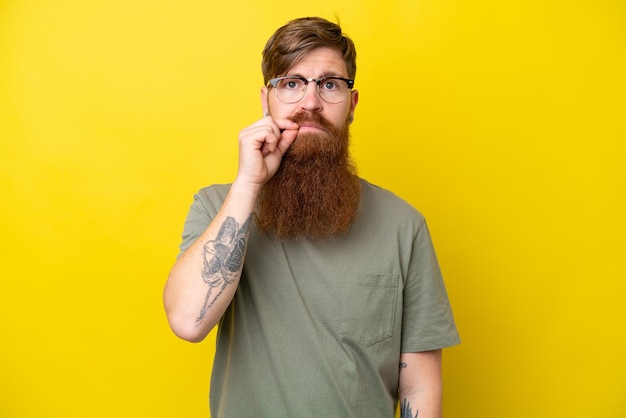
(214, 193)
(379, 199)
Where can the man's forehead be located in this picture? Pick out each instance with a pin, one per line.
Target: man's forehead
(318, 63)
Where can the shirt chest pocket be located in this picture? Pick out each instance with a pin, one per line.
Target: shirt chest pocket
(369, 306)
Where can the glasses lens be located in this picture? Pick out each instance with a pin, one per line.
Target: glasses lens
(333, 90)
(290, 90)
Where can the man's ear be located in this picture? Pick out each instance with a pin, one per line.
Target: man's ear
(264, 103)
(354, 99)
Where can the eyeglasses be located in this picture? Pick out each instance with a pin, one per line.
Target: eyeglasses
(291, 89)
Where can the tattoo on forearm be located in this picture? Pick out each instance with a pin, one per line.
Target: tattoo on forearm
(223, 259)
(405, 410)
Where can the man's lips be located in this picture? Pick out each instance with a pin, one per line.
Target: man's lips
(310, 126)
(312, 122)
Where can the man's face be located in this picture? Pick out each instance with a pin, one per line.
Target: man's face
(321, 62)
(316, 191)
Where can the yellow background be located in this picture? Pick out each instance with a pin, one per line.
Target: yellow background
(502, 121)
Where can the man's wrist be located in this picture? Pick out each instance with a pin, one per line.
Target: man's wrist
(245, 189)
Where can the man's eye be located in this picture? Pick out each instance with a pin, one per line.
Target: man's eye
(329, 85)
(291, 84)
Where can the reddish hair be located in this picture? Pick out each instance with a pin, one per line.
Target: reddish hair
(290, 43)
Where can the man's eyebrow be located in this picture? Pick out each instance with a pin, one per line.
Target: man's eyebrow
(294, 75)
(323, 75)
(331, 75)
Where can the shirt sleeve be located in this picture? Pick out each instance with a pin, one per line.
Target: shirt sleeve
(427, 323)
(206, 203)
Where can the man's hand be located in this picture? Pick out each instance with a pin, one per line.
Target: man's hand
(261, 148)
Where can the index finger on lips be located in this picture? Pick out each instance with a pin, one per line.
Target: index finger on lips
(284, 124)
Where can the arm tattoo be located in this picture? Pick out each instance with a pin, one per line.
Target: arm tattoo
(403, 366)
(405, 410)
(223, 259)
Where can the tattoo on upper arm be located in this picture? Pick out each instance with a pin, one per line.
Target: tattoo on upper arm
(403, 366)
(223, 259)
(405, 410)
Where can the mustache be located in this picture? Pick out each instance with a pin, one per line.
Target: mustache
(313, 118)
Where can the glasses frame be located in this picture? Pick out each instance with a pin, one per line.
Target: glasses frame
(318, 81)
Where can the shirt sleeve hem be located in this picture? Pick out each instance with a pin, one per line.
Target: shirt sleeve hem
(416, 347)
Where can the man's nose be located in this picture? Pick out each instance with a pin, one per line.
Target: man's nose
(311, 100)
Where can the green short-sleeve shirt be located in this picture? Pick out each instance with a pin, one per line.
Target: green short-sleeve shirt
(316, 328)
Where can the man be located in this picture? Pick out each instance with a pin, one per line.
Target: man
(327, 291)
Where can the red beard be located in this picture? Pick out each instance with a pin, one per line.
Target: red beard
(316, 192)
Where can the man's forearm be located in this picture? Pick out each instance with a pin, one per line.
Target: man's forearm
(223, 261)
(420, 385)
(204, 279)
(422, 405)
